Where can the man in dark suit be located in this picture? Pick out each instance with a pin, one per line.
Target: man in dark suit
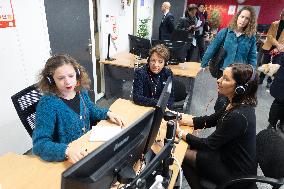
(167, 24)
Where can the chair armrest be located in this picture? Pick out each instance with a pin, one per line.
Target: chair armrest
(251, 179)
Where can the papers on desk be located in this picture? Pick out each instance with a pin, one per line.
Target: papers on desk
(104, 132)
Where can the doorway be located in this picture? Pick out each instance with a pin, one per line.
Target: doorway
(71, 29)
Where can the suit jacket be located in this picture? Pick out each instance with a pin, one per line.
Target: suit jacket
(167, 27)
(185, 22)
(271, 36)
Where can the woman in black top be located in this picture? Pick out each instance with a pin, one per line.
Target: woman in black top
(230, 150)
(150, 79)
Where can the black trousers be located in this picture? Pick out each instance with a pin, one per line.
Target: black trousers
(276, 113)
(200, 44)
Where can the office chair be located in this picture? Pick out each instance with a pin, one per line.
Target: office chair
(270, 157)
(180, 96)
(25, 103)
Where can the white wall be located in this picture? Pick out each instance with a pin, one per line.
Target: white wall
(124, 21)
(23, 51)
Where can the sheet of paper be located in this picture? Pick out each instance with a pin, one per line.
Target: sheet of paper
(193, 41)
(104, 132)
(199, 22)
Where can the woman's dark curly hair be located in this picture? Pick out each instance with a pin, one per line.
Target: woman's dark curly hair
(246, 76)
(57, 61)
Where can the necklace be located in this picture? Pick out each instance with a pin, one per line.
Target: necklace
(154, 84)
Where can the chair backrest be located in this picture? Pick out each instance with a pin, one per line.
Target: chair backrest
(25, 103)
(270, 153)
(179, 90)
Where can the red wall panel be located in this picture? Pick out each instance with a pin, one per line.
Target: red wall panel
(269, 10)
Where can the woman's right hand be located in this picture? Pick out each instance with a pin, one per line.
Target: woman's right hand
(186, 122)
(74, 154)
(191, 27)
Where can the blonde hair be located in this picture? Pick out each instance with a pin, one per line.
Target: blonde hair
(250, 28)
(57, 61)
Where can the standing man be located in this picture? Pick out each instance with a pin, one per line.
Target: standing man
(274, 42)
(167, 24)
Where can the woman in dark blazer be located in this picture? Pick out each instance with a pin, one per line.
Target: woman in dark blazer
(150, 79)
(231, 149)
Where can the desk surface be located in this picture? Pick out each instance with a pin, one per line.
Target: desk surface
(127, 60)
(27, 171)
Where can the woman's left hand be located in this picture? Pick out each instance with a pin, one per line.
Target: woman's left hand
(113, 117)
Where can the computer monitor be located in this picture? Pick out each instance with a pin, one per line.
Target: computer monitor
(139, 46)
(103, 167)
(159, 114)
(155, 42)
(165, 152)
(178, 50)
(181, 35)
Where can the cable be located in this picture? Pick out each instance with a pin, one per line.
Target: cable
(180, 171)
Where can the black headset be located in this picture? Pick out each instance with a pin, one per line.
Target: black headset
(241, 89)
(51, 81)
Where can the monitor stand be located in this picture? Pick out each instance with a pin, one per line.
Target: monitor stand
(126, 175)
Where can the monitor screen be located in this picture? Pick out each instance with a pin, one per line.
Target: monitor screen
(139, 46)
(181, 35)
(178, 50)
(155, 42)
(159, 114)
(102, 167)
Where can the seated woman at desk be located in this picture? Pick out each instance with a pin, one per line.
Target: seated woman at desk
(64, 112)
(150, 79)
(231, 149)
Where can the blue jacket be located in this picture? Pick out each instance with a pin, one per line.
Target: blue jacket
(143, 87)
(57, 125)
(240, 49)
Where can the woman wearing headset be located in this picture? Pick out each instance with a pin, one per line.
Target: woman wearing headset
(150, 79)
(64, 112)
(231, 149)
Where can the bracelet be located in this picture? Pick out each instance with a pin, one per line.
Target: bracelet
(107, 117)
(66, 156)
(180, 135)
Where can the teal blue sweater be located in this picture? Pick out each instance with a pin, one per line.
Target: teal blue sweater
(57, 125)
(240, 49)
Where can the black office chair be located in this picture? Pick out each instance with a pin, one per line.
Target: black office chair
(180, 96)
(25, 103)
(270, 157)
